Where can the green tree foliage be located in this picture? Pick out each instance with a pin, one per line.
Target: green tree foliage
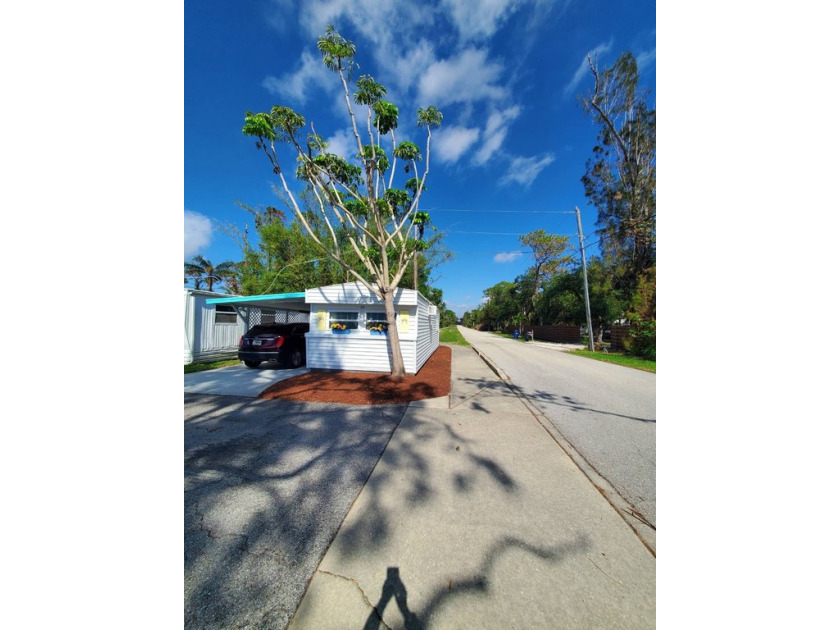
(354, 206)
(550, 258)
(448, 318)
(205, 273)
(563, 299)
(284, 259)
(642, 317)
(620, 179)
(503, 303)
(549, 251)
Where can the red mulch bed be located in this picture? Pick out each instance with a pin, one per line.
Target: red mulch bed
(368, 388)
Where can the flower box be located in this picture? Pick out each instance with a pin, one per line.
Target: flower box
(378, 333)
(338, 331)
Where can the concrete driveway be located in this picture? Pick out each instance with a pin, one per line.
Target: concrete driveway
(238, 380)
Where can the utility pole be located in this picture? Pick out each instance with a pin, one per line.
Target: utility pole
(585, 284)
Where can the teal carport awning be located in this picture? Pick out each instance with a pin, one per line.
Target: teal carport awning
(281, 301)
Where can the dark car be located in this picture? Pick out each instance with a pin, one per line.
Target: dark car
(284, 343)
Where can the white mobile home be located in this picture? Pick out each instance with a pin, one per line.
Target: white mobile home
(344, 322)
(344, 325)
(211, 332)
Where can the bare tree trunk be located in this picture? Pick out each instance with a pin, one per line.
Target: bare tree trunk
(397, 365)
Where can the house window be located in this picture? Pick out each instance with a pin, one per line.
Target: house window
(344, 320)
(376, 320)
(267, 316)
(225, 314)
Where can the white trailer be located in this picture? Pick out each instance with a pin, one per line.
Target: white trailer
(211, 331)
(343, 324)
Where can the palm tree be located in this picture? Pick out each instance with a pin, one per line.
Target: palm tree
(202, 270)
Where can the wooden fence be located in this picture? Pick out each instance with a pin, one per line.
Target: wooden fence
(558, 334)
(617, 335)
(571, 334)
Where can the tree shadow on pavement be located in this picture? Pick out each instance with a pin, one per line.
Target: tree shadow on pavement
(404, 464)
(550, 398)
(267, 485)
(466, 391)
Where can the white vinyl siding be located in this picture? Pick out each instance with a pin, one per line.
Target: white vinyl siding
(204, 339)
(354, 293)
(428, 331)
(360, 350)
(355, 353)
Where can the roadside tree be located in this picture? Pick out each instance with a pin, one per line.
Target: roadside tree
(550, 258)
(358, 200)
(620, 179)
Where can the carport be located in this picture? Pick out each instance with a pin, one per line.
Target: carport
(276, 307)
(237, 380)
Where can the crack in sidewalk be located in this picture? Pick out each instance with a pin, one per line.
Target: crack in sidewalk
(361, 591)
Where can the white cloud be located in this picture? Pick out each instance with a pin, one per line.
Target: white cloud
(503, 257)
(317, 13)
(297, 85)
(583, 68)
(396, 49)
(479, 19)
(343, 143)
(465, 78)
(524, 170)
(644, 59)
(452, 142)
(339, 109)
(404, 71)
(495, 132)
(198, 232)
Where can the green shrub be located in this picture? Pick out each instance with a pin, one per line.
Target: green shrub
(641, 339)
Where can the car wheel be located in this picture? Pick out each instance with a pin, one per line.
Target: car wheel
(296, 359)
(252, 364)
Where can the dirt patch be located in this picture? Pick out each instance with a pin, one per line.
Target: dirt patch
(368, 388)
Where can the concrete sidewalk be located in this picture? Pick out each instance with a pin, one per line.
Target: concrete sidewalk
(474, 517)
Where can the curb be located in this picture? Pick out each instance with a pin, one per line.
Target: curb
(496, 369)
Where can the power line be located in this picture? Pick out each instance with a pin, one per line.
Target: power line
(503, 211)
(490, 233)
(491, 252)
(446, 231)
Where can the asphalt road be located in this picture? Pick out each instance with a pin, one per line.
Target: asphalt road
(267, 485)
(606, 412)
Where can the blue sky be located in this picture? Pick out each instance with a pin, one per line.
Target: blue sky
(506, 74)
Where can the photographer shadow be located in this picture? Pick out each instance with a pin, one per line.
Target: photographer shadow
(393, 588)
